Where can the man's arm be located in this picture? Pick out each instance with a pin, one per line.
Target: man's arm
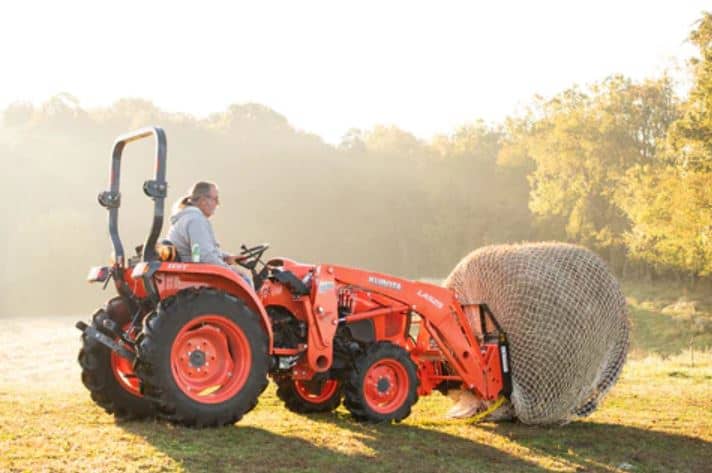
(232, 259)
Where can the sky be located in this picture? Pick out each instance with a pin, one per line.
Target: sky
(328, 66)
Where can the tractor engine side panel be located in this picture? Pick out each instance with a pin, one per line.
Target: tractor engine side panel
(387, 327)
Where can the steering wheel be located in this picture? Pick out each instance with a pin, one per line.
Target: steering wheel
(252, 255)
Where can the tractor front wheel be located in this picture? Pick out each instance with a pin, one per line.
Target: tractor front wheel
(304, 397)
(382, 384)
(202, 356)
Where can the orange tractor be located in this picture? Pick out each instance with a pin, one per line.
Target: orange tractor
(195, 344)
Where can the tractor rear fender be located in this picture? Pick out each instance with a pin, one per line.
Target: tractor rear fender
(164, 280)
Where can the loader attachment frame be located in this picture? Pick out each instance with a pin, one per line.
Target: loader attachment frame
(482, 367)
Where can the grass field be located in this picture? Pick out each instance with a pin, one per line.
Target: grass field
(658, 418)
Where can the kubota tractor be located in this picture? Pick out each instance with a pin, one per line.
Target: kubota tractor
(194, 343)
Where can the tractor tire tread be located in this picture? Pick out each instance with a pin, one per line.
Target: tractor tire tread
(171, 404)
(98, 377)
(354, 399)
(295, 403)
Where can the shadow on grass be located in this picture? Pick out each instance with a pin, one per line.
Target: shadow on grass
(599, 447)
(580, 446)
(391, 448)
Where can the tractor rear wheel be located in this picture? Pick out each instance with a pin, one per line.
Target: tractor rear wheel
(381, 385)
(110, 378)
(304, 397)
(203, 358)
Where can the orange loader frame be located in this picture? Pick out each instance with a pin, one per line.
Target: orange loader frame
(444, 334)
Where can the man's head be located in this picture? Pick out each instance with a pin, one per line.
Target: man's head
(204, 195)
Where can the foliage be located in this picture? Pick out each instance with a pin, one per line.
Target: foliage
(622, 167)
(582, 144)
(691, 135)
(670, 201)
(671, 213)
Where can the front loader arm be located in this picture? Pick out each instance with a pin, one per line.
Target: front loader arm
(443, 318)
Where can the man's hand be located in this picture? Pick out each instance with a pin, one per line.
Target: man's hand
(233, 259)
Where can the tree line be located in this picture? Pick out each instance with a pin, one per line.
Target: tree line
(622, 167)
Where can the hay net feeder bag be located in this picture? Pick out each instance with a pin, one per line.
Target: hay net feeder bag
(566, 320)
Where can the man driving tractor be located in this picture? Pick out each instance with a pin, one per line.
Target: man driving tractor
(192, 233)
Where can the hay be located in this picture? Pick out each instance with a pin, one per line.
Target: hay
(566, 320)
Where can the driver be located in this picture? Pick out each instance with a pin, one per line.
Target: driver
(190, 226)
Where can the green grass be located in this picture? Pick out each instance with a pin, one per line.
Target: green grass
(658, 418)
(668, 320)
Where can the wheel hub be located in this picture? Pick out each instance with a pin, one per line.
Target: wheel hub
(197, 358)
(386, 385)
(210, 359)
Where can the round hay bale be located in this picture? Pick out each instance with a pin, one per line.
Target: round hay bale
(566, 320)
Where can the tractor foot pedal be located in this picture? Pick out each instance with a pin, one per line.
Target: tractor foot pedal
(93, 333)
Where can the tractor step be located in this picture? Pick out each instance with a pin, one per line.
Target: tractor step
(93, 333)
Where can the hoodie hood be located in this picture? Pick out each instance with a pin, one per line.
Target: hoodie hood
(185, 211)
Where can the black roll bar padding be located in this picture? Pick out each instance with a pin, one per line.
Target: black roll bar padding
(155, 189)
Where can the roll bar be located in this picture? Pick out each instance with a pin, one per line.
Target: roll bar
(155, 189)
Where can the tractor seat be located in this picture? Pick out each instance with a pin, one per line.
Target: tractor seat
(167, 251)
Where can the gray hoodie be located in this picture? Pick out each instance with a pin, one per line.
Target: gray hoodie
(190, 226)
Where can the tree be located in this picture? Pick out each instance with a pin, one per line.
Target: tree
(353, 141)
(474, 200)
(582, 144)
(671, 214)
(691, 136)
(670, 201)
